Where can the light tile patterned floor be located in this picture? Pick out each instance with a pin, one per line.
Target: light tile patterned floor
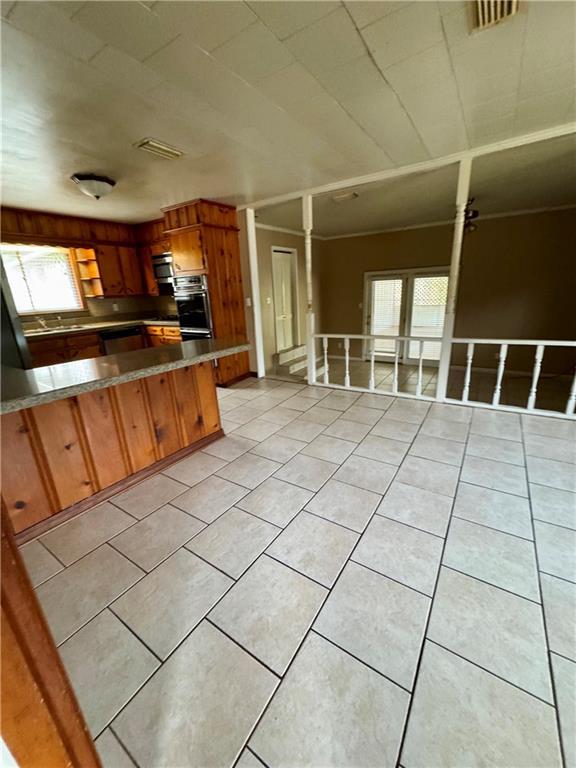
(343, 580)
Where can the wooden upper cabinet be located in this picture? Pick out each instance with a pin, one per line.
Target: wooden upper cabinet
(188, 251)
(200, 212)
(110, 270)
(120, 271)
(152, 241)
(131, 272)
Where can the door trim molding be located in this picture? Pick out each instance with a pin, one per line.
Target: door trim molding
(407, 292)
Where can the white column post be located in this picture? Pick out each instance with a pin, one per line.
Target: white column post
(462, 196)
(255, 286)
(310, 320)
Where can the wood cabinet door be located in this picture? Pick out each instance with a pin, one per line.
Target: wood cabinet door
(23, 491)
(131, 271)
(145, 257)
(110, 270)
(188, 251)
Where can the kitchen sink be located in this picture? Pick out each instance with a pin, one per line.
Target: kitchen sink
(39, 331)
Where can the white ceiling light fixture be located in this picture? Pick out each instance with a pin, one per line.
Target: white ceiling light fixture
(92, 185)
(490, 12)
(344, 197)
(156, 147)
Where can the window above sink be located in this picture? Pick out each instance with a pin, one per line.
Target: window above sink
(42, 279)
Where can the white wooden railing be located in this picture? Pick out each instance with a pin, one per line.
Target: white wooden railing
(370, 356)
(401, 343)
(504, 345)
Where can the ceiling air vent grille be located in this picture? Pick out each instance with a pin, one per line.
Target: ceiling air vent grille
(159, 148)
(490, 12)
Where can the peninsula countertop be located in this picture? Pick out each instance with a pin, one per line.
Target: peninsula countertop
(25, 388)
(94, 327)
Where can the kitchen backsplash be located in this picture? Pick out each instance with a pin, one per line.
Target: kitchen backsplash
(110, 309)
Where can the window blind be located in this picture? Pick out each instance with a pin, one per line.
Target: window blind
(385, 312)
(428, 307)
(41, 278)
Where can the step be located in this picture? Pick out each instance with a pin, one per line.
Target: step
(290, 354)
(297, 366)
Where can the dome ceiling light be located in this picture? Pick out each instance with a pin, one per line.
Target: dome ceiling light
(92, 185)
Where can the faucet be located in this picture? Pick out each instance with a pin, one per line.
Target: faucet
(41, 322)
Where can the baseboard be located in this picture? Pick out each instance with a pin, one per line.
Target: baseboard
(236, 379)
(112, 490)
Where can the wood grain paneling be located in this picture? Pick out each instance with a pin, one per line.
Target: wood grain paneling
(199, 211)
(23, 486)
(136, 421)
(163, 410)
(207, 396)
(58, 454)
(104, 436)
(188, 252)
(188, 404)
(42, 724)
(132, 272)
(63, 446)
(36, 227)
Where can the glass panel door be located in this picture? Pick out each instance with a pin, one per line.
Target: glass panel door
(426, 314)
(385, 311)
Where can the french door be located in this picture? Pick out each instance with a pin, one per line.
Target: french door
(409, 303)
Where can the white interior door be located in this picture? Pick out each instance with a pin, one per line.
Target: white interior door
(385, 311)
(425, 316)
(283, 277)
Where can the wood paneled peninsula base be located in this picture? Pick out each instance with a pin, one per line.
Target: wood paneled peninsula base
(75, 434)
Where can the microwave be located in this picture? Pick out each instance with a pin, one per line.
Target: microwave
(164, 272)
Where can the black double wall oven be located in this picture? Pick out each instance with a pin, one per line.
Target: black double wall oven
(193, 303)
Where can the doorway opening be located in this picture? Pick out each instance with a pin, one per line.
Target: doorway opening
(407, 303)
(285, 292)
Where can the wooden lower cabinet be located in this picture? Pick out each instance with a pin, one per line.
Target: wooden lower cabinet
(57, 454)
(64, 348)
(232, 368)
(160, 335)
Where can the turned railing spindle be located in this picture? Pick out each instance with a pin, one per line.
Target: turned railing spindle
(420, 354)
(535, 377)
(500, 374)
(468, 374)
(347, 362)
(325, 348)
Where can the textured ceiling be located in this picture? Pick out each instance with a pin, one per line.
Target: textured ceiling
(533, 177)
(263, 97)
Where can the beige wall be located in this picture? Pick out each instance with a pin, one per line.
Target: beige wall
(517, 281)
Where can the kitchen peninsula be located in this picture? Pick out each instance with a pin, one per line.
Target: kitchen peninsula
(74, 434)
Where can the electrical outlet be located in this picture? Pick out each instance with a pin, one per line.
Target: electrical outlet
(114, 307)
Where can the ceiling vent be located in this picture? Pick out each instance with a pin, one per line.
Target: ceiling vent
(490, 12)
(159, 148)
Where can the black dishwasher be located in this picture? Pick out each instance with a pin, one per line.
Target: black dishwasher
(125, 339)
